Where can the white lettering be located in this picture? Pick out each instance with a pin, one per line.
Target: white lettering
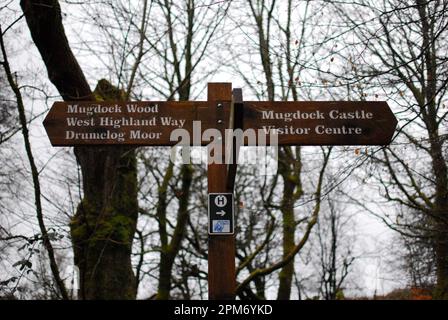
(169, 121)
(357, 115)
(135, 108)
(93, 108)
(75, 122)
(343, 130)
(289, 116)
(105, 135)
(186, 310)
(286, 130)
(138, 135)
(126, 122)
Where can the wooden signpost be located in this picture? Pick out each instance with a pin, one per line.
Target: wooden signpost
(126, 123)
(323, 122)
(152, 123)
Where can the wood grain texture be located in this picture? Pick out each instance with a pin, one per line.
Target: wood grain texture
(375, 131)
(57, 126)
(236, 122)
(297, 123)
(221, 253)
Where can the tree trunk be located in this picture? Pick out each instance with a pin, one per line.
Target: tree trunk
(287, 209)
(289, 168)
(441, 250)
(439, 165)
(287, 272)
(441, 219)
(169, 251)
(104, 224)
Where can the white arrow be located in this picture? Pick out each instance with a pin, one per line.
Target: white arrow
(221, 213)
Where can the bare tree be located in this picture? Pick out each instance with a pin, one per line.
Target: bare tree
(280, 67)
(171, 47)
(335, 254)
(103, 227)
(400, 47)
(34, 171)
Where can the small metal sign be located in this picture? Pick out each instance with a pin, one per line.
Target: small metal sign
(220, 214)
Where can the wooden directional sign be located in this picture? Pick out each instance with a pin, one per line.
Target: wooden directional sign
(151, 123)
(147, 123)
(322, 122)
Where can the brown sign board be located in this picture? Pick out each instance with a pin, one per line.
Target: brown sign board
(150, 123)
(323, 122)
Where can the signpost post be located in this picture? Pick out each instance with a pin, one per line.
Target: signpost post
(221, 249)
(152, 123)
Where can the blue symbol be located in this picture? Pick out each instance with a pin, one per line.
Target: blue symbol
(221, 226)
